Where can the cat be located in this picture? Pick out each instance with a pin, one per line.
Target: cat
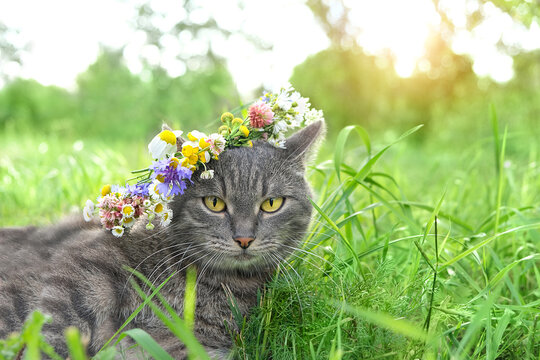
(75, 271)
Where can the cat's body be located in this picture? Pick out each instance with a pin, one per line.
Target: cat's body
(75, 271)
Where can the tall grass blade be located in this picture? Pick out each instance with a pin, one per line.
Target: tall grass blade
(74, 344)
(145, 341)
(342, 140)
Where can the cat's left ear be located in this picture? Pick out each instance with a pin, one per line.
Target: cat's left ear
(179, 139)
(303, 144)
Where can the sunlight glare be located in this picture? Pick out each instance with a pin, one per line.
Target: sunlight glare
(399, 26)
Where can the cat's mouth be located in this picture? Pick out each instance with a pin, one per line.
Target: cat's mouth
(244, 256)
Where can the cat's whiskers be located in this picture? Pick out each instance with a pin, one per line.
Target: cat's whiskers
(146, 258)
(174, 264)
(294, 248)
(166, 259)
(281, 262)
(324, 224)
(215, 257)
(152, 234)
(310, 262)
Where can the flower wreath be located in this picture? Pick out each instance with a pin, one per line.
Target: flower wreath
(268, 119)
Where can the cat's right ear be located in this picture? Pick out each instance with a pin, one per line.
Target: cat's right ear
(179, 139)
(303, 144)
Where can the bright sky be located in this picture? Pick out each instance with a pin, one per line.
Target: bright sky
(65, 35)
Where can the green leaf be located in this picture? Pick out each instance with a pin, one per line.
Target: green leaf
(399, 326)
(74, 344)
(147, 343)
(342, 140)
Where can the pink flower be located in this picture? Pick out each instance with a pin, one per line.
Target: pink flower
(260, 114)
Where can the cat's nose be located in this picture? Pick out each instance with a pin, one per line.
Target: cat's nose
(244, 242)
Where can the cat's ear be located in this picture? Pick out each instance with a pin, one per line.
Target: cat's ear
(303, 144)
(179, 139)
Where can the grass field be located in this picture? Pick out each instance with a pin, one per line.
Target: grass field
(417, 249)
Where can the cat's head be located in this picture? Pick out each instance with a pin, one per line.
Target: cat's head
(255, 210)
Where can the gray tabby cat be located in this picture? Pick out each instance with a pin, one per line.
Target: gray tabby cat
(234, 228)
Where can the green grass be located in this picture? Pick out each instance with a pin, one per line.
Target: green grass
(417, 250)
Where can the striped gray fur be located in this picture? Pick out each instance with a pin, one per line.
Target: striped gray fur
(74, 271)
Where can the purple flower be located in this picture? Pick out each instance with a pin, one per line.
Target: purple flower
(138, 189)
(171, 177)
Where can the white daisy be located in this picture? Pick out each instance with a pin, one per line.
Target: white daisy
(279, 143)
(208, 174)
(128, 211)
(159, 208)
(128, 222)
(302, 106)
(283, 101)
(313, 115)
(166, 218)
(88, 211)
(280, 126)
(163, 144)
(195, 136)
(118, 231)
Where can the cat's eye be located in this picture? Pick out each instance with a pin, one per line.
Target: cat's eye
(271, 205)
(214, 203)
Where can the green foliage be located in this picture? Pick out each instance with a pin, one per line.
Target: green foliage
(28, 106)
(112, 103)
(377, 276)
(30, 340)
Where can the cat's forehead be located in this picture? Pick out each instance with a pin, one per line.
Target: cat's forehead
(261, 170)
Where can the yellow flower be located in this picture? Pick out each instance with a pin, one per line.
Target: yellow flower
(244, 130)
(185, 162)
(105, 190)
(193, 159)
(203, 143)
(163, 144)
(187, 150)
(168, 136)
(174, 162)
(237, 121)
(224, 129)
(226, 117)
(204, 157)
(250, 143)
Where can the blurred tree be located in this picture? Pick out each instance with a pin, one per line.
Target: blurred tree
(114, 101)
(354, 87)
(28, 105)
(10, 50)
(191, 29)
(193, 98)
(524, 12)
(333, 15)
(111, 99)
(347, 84)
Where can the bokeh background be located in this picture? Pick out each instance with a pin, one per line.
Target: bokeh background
(80, 79)
(86, 85)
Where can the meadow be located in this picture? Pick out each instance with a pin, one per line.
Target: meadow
(421, 247)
